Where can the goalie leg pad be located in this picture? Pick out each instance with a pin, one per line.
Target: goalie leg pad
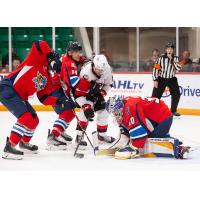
(161, 147)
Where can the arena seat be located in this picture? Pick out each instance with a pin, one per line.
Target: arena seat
(3, 35)
(3, 52)
(22, 39)
(22, 52)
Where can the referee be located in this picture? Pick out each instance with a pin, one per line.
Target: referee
(164, 75)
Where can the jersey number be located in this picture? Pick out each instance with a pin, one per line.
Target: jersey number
(132, 121)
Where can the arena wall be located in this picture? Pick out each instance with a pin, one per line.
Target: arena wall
(140, 84)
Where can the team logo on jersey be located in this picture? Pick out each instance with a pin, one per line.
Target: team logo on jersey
(40, 81)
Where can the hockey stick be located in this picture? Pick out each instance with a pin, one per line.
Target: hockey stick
(79, 155)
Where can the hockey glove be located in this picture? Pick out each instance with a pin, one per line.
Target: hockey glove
(93, 92)
(54, 62)
(103, 92)
(100, 103)
(88, 112)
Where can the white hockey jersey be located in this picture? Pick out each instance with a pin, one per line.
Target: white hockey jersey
(87, 75)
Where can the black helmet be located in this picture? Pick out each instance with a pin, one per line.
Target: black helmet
(74, 46)
(170, 45)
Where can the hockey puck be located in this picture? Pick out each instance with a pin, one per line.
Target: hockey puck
(79, 155)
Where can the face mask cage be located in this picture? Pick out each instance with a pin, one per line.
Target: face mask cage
(115, 108)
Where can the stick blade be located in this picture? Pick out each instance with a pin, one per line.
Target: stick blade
(79, 155)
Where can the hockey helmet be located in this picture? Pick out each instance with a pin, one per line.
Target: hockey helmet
(74, 46)
(114, 106)
(100, 63)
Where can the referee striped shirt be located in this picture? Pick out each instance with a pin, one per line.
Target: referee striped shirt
(165, 68)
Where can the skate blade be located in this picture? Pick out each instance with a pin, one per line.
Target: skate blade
(26, 151)
(63, 140)
(56, 148)
(10, 156)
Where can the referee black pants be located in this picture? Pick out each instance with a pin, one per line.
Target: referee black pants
(172, 83)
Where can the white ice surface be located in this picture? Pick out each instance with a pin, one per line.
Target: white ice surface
(187, 128)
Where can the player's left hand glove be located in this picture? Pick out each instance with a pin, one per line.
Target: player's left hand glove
(54, 61)
(93, 92)
(91, 97)
(88, 112)
(100, 103)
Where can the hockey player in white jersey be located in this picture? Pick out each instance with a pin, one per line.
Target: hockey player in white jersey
(95, 82)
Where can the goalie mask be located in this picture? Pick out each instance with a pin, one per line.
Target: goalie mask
(115, 107)
(100, 64)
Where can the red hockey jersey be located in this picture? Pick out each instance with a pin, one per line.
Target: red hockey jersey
(69, 68)
(139, 115)
(32, 76)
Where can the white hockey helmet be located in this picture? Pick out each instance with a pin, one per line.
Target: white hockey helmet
(100, 63)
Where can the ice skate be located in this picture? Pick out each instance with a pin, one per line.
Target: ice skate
(11, 152)
(28, 148)
(103, 138)
(64, 137)
(54, 144)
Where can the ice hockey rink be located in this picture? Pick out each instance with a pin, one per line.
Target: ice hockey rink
(186, 128)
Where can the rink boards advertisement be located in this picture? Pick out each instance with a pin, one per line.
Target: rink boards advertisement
(141, 84)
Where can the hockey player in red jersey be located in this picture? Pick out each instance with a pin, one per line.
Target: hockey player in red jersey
(139, 119)
(70, 66)
(94, 84)
(30, 77)
(61, 89)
